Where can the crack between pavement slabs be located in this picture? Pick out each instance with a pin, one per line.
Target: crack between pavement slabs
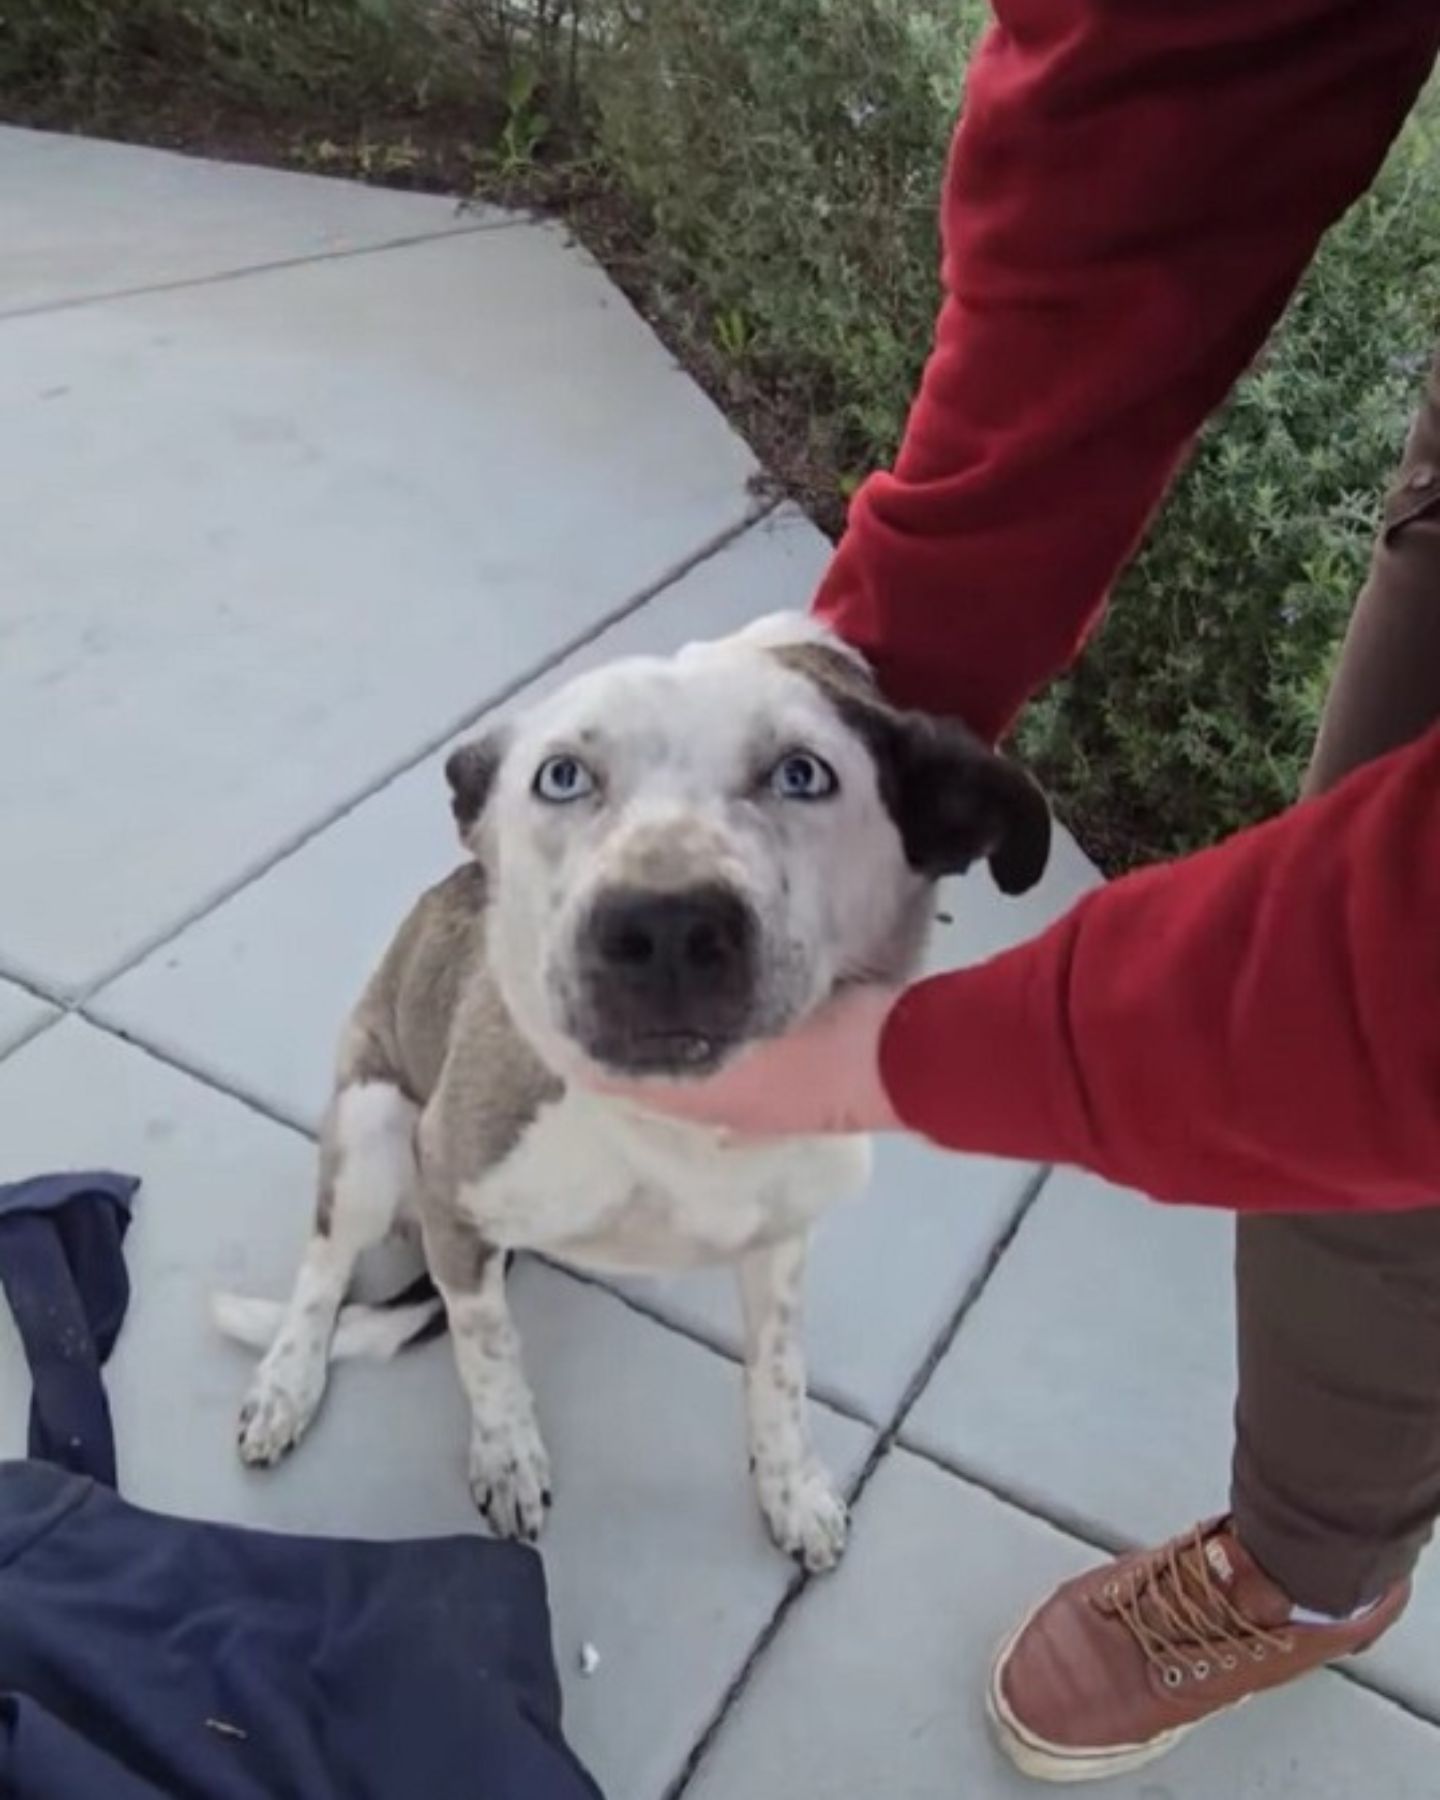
(818, 1392)
(276, 265)
(81, 998)
(275, 1115)
(1107, 1544)
(1069, 1526)
(1373, 1686)
(28, 1033)
(198, 1074)
(885, 1442)
(27, 984)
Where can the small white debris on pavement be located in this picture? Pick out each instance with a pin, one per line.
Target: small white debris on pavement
(589, 1660)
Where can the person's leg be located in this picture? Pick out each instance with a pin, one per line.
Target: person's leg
(1386, 689)
(1337, 1466)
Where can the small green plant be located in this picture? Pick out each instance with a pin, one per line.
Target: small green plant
(734, 334)
(526, 127)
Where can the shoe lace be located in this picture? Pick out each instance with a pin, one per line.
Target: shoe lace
(1172, 1605)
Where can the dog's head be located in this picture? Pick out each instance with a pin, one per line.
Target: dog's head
(690, 853)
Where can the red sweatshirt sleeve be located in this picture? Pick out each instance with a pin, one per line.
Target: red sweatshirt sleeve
(1135, 188)
(1255, 1027)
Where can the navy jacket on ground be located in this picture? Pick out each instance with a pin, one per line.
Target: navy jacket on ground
(148, 1658)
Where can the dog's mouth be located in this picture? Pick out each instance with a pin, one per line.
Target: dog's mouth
(671, 1054)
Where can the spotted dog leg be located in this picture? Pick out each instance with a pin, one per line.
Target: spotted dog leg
(797, 1495)
(367, 1172)
(509, 1467)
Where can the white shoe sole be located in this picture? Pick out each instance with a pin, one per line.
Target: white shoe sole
(1061, 1764)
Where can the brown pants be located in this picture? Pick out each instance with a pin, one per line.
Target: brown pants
(1337, 1464)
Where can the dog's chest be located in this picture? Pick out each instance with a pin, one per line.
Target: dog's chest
(594, 1186)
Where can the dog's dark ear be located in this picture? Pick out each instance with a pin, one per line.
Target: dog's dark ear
(471, 771)
(954, 801)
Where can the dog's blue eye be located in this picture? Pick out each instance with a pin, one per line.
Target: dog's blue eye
(802, 776)
(563, 778)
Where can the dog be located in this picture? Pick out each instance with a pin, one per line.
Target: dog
(669, 860)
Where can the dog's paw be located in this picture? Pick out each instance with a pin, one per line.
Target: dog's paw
(807, 1518)
(273, 1420)
(510, 1480)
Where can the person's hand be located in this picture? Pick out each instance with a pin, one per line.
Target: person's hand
(821, 1078)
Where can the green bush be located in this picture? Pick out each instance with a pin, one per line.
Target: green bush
(90, 61)
(1194, 711)
(791, 153)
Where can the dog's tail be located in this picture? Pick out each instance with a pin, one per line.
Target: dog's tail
(375, 1333)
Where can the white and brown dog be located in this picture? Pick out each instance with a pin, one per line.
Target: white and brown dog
(672, 858)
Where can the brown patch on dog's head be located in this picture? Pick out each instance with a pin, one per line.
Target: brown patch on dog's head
(953, 800)
(470, 771)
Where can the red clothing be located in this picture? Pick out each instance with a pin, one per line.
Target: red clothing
(1256, 1027)
(1133, 193)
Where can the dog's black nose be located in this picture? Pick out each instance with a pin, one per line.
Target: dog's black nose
(695, 942)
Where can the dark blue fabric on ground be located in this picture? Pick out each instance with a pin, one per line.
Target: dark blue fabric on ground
(64, 1276)
(147, 1658)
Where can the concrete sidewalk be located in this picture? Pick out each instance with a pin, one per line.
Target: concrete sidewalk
(299, 480)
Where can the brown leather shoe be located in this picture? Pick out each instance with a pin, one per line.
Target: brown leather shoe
(1116, 1667)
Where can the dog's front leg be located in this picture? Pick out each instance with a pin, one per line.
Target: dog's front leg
(367, 1173)
(806, 1515)
(509, 1468)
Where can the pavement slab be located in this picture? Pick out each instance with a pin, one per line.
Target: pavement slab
(270, 538)
(875, 1681)
(1094, 1381)
(21, 1014)
(83, 219)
